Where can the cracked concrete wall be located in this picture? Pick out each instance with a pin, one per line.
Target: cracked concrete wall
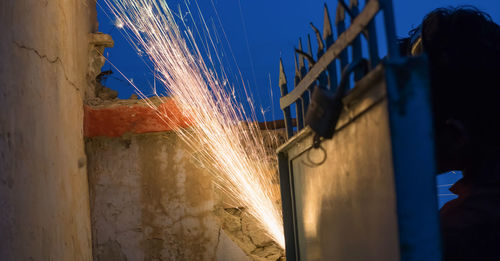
(151, 201)
(44, 203)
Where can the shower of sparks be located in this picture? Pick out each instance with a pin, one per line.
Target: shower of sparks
(233, 152)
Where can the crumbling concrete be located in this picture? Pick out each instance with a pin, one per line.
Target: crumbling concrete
(44, 204)
(245, 232)
(97, 91)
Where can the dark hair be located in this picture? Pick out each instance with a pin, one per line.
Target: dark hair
(463, 46)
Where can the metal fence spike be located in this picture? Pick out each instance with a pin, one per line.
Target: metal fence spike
(347, 9)
(353, 4)
(340, 22)
(300, 43)
(357, 51)
(340, 14)
(308, 57)
(282, 81)
(309, 46)
(286, 111)
(311, 63)
(301, 57)
(327, 28)
(302, 66)
(297, 73)
(299, 109)
(302, 72)
(321, 46)
(328, 36)
(371, 37)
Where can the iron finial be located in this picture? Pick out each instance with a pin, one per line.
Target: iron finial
(302, 65)
(327, 28)
(318, 38)
(282, 81)
(309, 46)
(301, 57)
(340, 15)
(297, 72)
(353, 4)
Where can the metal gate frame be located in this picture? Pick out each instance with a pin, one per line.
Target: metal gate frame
(410, 120)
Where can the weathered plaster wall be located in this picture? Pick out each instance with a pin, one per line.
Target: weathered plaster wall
(150, 200)
(44, 203)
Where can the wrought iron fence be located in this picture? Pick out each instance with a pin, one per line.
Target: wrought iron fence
(325, 72)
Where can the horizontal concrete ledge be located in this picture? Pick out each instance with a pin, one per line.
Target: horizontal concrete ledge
(115, 118)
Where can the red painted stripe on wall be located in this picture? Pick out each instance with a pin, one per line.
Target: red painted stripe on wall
(116, 119)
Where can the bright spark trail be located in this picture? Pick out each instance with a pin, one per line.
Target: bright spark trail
(233, 152)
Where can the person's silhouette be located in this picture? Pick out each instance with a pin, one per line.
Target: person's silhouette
(463, 48)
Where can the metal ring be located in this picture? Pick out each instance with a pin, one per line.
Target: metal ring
(311, 163)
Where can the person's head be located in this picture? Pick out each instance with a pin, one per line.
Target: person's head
(463, 47)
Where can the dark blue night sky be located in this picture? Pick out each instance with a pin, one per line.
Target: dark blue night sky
(259, 32)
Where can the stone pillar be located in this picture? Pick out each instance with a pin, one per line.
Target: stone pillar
(44, 202)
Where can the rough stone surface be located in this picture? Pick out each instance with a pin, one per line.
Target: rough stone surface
(149, 200)
(44, 203)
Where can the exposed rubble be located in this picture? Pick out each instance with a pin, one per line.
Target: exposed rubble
(245, 232)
